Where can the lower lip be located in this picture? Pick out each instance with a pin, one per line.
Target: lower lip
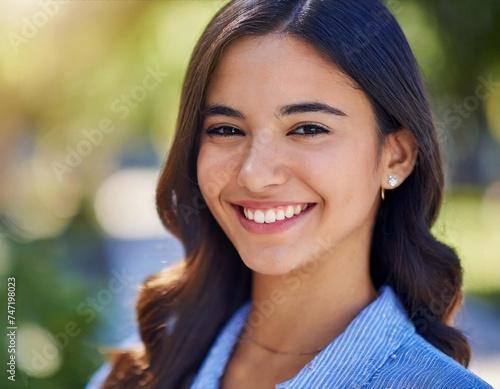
(270, 228)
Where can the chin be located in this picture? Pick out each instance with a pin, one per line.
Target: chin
(269, 266)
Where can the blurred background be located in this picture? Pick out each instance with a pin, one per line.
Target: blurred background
(89, 93)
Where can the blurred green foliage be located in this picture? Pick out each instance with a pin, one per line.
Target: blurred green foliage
(52, 282)
(469, 223)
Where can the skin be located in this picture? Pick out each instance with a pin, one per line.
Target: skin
(320, 267)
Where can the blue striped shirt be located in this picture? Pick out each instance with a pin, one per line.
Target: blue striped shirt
(380, 349)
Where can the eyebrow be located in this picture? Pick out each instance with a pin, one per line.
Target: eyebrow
(286, 110)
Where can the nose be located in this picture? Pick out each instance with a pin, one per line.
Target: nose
(263, 163)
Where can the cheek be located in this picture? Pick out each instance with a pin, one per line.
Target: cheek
(344, 174)
(206, 171)
(214, 170)
(331, 168)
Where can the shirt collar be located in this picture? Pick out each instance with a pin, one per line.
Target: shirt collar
(351, 358)
(354, 356)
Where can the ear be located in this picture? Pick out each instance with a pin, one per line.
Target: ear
(401, 152)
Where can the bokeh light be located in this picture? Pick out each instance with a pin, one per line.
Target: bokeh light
(125, 205)
(38, 351)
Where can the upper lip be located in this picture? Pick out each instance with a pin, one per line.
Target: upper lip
(267, 204)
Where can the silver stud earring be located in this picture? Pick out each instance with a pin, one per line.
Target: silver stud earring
(393, 180)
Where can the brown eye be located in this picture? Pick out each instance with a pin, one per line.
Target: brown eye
(226, 131)
(310, 129)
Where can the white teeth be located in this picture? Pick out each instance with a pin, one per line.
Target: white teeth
(271, 216)
(259, 217)
(289, 212)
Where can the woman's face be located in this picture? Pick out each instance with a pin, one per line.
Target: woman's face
(266, 95)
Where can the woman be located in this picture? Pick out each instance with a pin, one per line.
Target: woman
(303, 179)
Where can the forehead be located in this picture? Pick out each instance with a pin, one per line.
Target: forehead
(263, 73)
(276, 61)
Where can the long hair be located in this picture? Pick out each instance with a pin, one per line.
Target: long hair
(182, 308)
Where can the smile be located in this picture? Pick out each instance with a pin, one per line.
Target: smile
(274, 214)
(274, 220)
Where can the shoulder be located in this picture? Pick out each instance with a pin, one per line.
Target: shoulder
(418, 364)
(99, 377)
(102, 373)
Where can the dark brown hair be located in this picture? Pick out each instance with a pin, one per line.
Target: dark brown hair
(182, 308)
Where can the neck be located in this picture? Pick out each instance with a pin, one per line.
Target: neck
(305, 310)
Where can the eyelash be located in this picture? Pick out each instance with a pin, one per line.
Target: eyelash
(212, 131)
